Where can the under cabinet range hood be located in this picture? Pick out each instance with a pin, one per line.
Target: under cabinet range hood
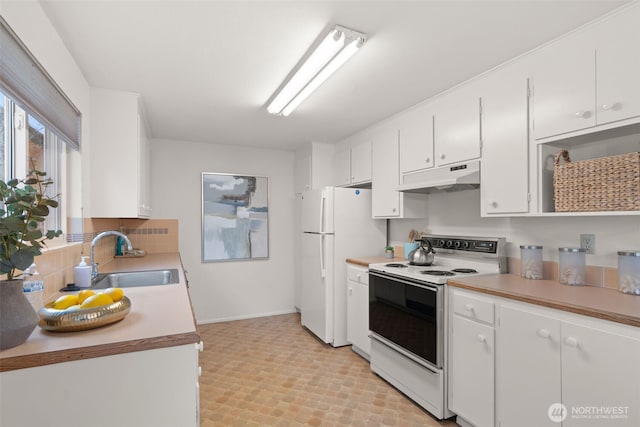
(462, 176)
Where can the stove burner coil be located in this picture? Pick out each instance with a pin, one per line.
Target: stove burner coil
(464, 270)
(396, 265)
(437, 273)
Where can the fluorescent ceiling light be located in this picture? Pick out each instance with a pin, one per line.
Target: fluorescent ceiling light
(336, 48)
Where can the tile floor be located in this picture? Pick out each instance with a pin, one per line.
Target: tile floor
(270, 371)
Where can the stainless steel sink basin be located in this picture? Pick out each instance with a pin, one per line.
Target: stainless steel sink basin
(132, 279)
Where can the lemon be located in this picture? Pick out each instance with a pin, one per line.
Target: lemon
(65, 301)
(84, 294)
(97, 300)
(73, 308)
(116, 294)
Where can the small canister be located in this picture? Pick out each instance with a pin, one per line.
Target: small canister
(629, 272)
(531, 261)
(572, 270)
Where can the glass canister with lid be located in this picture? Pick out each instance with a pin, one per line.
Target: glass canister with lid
(572, 266)
(531, 261)
(629, 272)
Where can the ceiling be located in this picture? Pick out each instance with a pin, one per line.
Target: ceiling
(206, 68)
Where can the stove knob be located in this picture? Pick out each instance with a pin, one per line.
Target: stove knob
(456, 244)
(449, 243)
(441, 243)
(465, 245)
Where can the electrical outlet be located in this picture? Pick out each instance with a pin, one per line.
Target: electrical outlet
(588, 242)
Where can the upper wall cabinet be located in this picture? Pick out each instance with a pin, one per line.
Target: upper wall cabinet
(505, 143)
(386, 200)
(312, 167)
(618, 68)
(457, 125)
(353, 166)
(589, 79)
(416, 140)
(119, 156)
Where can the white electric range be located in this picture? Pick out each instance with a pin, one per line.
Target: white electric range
(407, 318)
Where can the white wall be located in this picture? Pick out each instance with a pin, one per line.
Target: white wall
(234, 289)
(29, 22)
(458, 213)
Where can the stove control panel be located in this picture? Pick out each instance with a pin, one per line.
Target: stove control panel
(463, 244)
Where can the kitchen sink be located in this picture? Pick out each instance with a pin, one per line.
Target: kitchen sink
(132, 279)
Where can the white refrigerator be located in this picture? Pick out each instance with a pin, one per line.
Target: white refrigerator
(336, 225)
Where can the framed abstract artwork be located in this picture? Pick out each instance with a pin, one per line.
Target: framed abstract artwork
(235, 217)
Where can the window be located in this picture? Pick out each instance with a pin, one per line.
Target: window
(26, 144)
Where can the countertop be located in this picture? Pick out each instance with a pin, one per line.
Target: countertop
(160, 316)
(365, 261)
(602, 303)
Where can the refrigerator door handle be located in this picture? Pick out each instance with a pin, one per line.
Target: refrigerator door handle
(323, 272)
(322, 208)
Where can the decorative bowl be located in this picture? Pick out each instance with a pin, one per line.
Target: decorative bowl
(82, 319)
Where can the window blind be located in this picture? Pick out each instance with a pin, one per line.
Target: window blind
(27, 82)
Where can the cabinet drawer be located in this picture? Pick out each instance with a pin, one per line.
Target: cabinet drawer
(473, 307)
(358, 274)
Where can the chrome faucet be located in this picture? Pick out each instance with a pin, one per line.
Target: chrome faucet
(94, 266)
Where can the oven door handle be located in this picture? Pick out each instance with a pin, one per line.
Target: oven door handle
(427, 286)
(404, 352)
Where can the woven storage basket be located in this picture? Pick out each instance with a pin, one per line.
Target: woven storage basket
(605, 184)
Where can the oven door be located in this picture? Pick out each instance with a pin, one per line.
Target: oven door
(409, 314)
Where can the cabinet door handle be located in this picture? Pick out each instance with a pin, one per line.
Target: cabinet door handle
(582, 114)
(428, 160)
(571, 342)
(543, 333)
(468, 307)
(482, 338)
(493, 204)
(442, 156)
(350, 291)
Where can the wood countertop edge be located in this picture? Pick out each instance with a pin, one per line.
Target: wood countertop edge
(81, 353)
(585, 311)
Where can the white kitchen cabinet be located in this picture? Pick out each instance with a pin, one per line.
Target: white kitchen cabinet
(358, 309)
(550, 357)
(416, 140)
(618, 67)
(313, 166)
(563, 88)
(589, 79)
(471, 358)
(505, 143)
(386, 200)
(457, 125)
(353, 166)
(529, 375)
(119, 155)
(593, 356)
(151, 388)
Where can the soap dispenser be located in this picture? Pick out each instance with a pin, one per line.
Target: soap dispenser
(82, 274)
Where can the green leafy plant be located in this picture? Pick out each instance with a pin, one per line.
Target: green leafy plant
(389, 249)
(25, 207)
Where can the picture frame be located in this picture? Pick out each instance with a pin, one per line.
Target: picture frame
(235, 217)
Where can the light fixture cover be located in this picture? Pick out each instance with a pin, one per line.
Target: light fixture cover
(336, 48)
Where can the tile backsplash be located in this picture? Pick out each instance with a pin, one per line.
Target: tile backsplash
(56, 264)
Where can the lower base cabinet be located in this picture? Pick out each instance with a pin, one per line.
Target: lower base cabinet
(555, 369)
(549, 367)
(471, 358)
(358, 310)
(151, 388)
